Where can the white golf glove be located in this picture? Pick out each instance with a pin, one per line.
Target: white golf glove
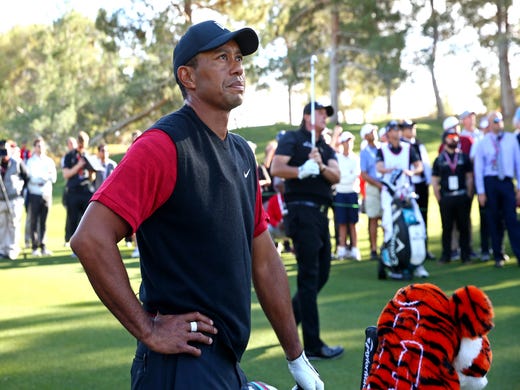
(309, 168)
(305, 375)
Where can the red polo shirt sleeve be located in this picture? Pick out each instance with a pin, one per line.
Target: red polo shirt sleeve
(145, 178)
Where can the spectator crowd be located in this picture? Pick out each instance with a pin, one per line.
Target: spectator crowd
(472, 161)
(28, 175)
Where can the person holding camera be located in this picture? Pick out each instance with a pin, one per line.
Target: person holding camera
(79, 184)
(13, 178)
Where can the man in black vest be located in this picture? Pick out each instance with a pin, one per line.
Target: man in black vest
(201, 230)
(309, 171)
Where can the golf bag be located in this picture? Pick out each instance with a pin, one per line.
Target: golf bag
(406, 248)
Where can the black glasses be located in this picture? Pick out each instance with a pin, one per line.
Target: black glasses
(497, 120)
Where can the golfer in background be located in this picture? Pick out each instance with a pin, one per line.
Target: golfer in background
(309, 172)
(202, 233)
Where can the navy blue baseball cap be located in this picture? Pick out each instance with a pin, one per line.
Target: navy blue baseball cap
(391, 125)
(318, 106)
(407, 124)
(207, 36)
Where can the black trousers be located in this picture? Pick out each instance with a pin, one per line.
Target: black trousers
(39, 210)
(421, 189)
(77, 202)
(216, 368)
(455, 209)
(308, 227)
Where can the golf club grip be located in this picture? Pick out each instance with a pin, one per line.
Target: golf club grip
(368, 354)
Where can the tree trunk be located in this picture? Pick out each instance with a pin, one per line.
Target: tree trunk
(507, 97)
(127, 121)
(431, 62)
(438, 100)
(388, 99)
(289, 98)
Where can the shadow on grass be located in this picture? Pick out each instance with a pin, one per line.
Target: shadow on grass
(80, 345)
(71, 346)
(64, 256)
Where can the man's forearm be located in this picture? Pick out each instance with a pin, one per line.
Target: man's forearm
(110, 282)
(102, 261)
(277, 306)
(370, 180)
(272, 289)
(284, 171)
(331, 173)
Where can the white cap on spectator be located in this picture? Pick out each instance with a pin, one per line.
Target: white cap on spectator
(367, 129)
(345, 136)
(450, 122)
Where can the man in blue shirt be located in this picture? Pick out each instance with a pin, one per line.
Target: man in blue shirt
(497, 162)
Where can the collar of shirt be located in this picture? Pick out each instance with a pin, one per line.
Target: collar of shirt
(393, 149)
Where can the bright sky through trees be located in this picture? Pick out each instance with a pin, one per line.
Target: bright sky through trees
(461, 94)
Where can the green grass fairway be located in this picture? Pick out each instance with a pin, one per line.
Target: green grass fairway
(55, 334)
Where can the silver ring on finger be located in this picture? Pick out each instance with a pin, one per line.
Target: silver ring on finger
(193, 326)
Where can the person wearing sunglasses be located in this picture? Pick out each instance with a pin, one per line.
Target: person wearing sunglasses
(452, 182)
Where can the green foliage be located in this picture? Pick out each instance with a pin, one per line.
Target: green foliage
(78, 75)
(73, 76)
(61, 69)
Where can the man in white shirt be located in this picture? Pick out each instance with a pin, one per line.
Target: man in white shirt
(42, 175)
(346, 206)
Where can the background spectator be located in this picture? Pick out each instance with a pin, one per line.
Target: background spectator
(42, 173)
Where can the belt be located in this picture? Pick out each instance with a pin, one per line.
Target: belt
(321, 207)
(455, 193)
(506, 178)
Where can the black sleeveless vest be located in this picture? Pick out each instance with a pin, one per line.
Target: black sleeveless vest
(196, 248)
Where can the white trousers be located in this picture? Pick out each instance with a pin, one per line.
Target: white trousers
(10, 227)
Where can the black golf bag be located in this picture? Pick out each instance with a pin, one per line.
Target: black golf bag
(406, 248)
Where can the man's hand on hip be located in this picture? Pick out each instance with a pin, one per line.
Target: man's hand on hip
(173, 334)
